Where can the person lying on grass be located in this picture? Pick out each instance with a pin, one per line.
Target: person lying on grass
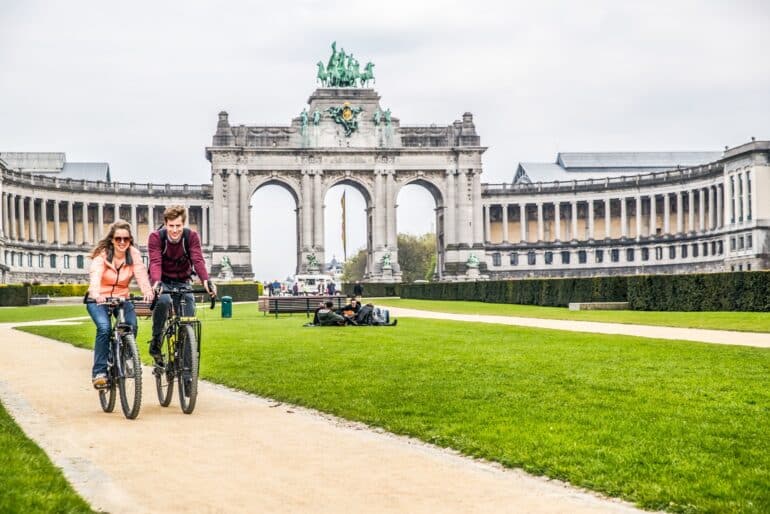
(368, 315)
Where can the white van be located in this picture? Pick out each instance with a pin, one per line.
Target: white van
(311, 284)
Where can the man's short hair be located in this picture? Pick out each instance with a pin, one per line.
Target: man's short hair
(330, 304)
(172, 212)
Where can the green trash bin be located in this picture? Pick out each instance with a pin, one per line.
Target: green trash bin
(227, 307)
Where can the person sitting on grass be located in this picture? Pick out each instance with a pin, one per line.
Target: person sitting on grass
(328, 318)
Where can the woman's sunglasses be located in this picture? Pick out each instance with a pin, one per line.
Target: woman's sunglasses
(121, 240)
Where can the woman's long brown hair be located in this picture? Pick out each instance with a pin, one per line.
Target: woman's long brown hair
(105, 245)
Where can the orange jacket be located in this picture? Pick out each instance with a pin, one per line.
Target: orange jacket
(106, 280)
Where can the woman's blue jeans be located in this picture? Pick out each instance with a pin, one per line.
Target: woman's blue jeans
(101, 316)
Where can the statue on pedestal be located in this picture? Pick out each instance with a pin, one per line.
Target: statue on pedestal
(473, 261)
(385, 261)
(226, 269)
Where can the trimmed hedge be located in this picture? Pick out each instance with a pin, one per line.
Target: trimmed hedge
(60, 289)
(240, 291)
(14, 295)
(737, 291)
(546, 292)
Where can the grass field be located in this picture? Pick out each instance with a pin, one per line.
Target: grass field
(742, 321)
(41, 312)
(669, 425)
(29, 482)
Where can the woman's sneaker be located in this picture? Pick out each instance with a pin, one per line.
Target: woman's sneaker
(100, 381)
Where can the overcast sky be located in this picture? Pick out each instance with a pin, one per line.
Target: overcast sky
(139, 84)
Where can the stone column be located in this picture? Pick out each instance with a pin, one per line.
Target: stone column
(307, 221)
(505, 223)
(378, 212)
(623, 218)
(86, 235)
(3, 212)
(44, 221)
(638, 216)
(712, 210)
(116, 216)
(150, 219)
(666, 214)
(204, 225)
(32, 221)
(523, 221)
(56, 223)
(390, 191)
(464, 216)
(691, 210)
(487, 225)
(607, 218)
(591, 219)
(70, 223)
(134, 223)
(540, 224)
(232, 208)
(574, 220)
(557, 220)
(478, 229)
(100, 218)
(22, 219)
(216, 213)
(679, 212)
(719, 194)
(318, 213)
(701, 209)
(653, 215)
(245, 197)
(745, 198)
(450, 213)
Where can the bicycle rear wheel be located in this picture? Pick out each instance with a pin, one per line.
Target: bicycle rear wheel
(164, 377)
(130, 382)
(187, 367)
(107, 395)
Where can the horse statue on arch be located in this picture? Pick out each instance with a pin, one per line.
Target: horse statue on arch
(367, 75)
(322, 76)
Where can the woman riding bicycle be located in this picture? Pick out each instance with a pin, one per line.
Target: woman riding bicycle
(115, 261)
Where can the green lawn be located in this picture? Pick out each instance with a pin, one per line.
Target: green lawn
(41, 312)
(29, 482)
(669, 425)
(742, 321)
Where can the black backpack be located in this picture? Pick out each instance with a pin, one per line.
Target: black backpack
(163, 233)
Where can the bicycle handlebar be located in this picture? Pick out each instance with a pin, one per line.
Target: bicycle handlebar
(178, 291)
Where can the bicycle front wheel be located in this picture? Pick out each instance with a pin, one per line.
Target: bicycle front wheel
(107, 395)
(130, 379)
(164, 377)
(187, 375)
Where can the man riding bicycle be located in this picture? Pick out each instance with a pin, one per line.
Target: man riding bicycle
(175, 253)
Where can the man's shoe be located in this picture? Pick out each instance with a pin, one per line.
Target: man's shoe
(155, 353)
(100, 381)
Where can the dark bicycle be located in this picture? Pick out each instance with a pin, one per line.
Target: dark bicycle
(180, 348)
(124, 369)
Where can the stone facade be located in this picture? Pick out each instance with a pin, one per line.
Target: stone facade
(704, 218)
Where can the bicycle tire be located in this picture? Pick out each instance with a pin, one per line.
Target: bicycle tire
(107, 395)
(187, 366)
(164, 377)
(130, 383)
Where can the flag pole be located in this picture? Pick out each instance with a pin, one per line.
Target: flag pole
(344, 234)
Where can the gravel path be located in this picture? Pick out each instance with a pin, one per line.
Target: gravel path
(241, 453)
(759, 339)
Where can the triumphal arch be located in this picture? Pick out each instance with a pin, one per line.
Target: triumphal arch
(345, 135)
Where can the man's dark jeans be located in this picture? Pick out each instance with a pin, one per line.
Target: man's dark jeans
(163, 307)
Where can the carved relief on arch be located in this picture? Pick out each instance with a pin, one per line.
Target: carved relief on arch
(362, 181)
(275, 178)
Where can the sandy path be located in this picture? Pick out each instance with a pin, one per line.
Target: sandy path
(759, 339)
(240, 453)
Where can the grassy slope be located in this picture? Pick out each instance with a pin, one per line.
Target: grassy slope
(41, 312)
(669, 425)
(742, 321)
(29, 482)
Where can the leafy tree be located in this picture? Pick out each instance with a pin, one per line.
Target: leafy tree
(417, 256)
(355, 267)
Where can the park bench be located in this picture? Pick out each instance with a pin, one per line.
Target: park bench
(291, 304)
(39, 299)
